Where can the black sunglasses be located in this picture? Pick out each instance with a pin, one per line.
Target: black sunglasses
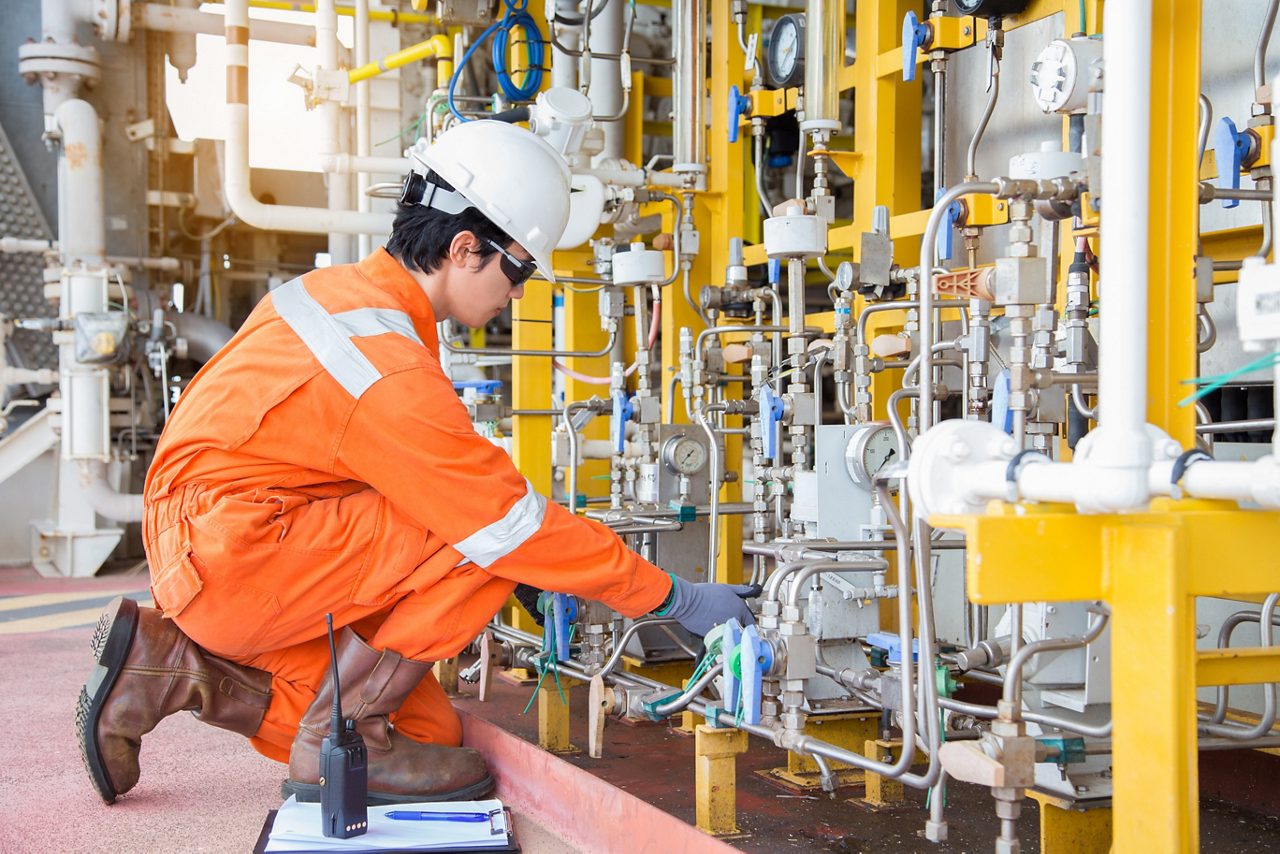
(516, 269)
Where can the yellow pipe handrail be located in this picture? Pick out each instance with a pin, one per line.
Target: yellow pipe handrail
(439, 47)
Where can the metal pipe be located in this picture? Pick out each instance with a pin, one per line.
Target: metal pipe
(179, 19)
(681, 702)
(500, 351)
(1206, 122)
(1013, 674)
(871, 564)
(689, 146)
(718, 330)
(713, 521)
(1244, 426)
(438, 47)
(928, 245)
(971, 156)
(1269, 692)
(236, 185)
(824, 46)
(1260, 54)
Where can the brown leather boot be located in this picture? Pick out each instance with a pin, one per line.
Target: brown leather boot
(146, 670)
(401, 770)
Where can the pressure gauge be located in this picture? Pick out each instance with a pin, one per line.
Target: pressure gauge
(786, 52)
(684, 455)
(872, 447)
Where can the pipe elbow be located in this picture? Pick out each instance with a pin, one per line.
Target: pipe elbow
(105, 500)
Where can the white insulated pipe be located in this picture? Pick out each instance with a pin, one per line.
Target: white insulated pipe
(364, 120)
(178, 19)
(1120, 454)
(103, 497)
(236, 184)
(84, 388)
(605, 91)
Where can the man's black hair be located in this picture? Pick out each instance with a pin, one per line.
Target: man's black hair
(420, 236)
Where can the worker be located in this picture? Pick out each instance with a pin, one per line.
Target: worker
(321, 462)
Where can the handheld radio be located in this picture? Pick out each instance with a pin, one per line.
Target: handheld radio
(344, 772)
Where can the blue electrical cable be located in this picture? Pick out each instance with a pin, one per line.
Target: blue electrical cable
(516, 16)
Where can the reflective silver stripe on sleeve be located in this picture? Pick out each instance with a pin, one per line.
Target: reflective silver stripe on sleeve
(364, 322)
(496, 541)
(328, 337)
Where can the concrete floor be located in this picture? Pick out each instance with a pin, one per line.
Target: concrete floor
(204, 789)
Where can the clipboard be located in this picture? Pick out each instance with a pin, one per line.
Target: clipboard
(501, 844)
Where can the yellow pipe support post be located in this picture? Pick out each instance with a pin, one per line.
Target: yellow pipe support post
(553, 715)
(715, 778)
(446, 673)
(851, 730)
(1067, 829)
(882, 792)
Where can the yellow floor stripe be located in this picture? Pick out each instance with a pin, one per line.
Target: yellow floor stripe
(35, 600)
(63, 620)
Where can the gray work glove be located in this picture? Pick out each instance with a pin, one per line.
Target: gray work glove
(698, 607)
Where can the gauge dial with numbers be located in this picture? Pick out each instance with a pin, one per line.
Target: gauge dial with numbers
(870, 449)
(684, 455)
(786, 52)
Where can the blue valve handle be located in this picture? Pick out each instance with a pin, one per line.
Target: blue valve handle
(771, 408)
(732, 681)
(564, 611)
(914, 36)
(946, 232)
(482, 386)
(1001, 413)
(622, 411)
(1230, 148)
(757, 659)
(739, 104)
(775, 271)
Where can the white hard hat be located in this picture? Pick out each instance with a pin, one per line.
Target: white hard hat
(518, 181)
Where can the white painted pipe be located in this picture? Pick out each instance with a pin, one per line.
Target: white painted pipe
(82, 228)
(564, 68)
(364, 137)
(18, 245)
(104, 499)
(348, 163)
(1120, 453)
(177, 19)
(10, 375)
(606, 83)
(14, 245)
(236, 184)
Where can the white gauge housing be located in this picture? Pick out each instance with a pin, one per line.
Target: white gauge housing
(870, 449)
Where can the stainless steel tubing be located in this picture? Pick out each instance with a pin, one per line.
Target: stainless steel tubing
(840, 568)
(680, 703)
(991, 712)
(717, 330)
(898, 305)
(1245, 426)
(626, 638)
(555, 354)
(927, 247)
(1260, 54)
(1269, 691)
(1206, 122)
(713, 521)
(1013, 674)
(900, 431)
(971, 156)
(689, 145)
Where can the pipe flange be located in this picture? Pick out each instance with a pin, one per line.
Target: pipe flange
(46, 58)
(113, 19)
(940, 473)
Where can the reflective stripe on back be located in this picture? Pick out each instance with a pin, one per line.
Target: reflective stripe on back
(328, 336)
(499, 539)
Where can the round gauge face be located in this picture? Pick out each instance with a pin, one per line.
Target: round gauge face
(685, 455)
(870, 450)
(786, 51)
(880, 449)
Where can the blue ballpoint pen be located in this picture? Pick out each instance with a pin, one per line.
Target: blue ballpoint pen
(417, 815)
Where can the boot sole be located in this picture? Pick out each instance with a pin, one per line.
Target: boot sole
(309, 793)
(111, 642)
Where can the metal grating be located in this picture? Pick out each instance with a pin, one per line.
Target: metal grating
(21, 274)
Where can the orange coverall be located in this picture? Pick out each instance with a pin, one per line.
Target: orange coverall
(322, 462)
